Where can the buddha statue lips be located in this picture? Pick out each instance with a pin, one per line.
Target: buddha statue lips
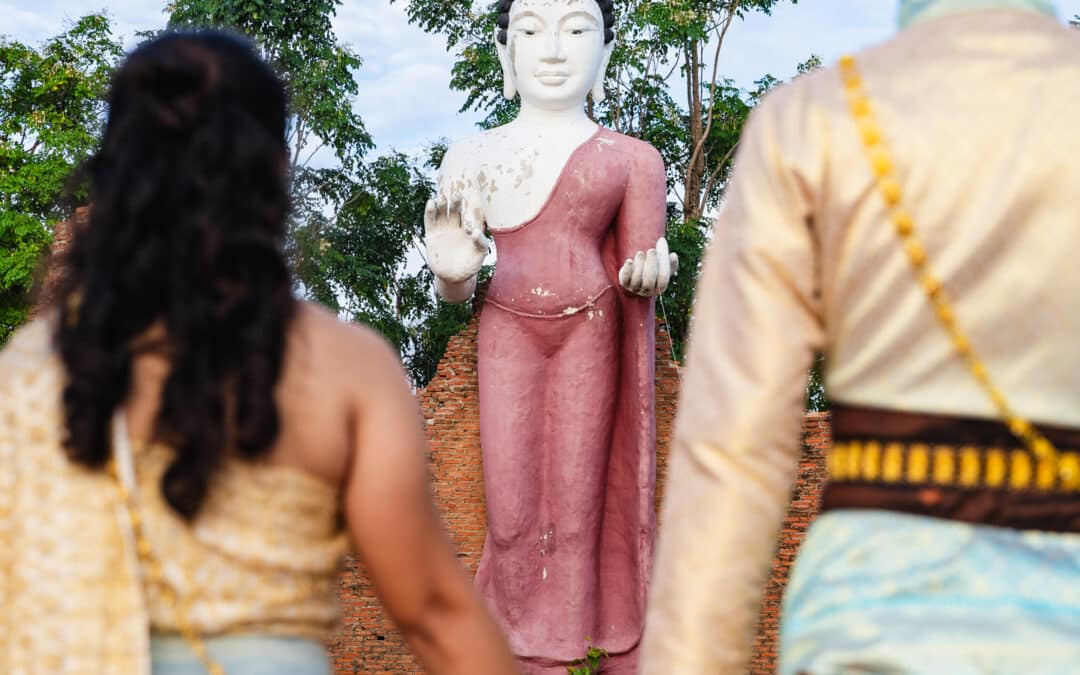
(552, 78)
(566, 341)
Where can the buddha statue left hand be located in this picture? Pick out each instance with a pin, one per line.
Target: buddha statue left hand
(648, 273)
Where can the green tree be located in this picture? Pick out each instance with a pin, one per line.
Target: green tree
(361, 265)
(51, 114)
(357, 225)
(816, 398)
(662, 45)
(664, 86)
(298, 39)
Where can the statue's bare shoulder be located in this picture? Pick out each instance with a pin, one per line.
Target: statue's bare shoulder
(467, 156)
(479, 166)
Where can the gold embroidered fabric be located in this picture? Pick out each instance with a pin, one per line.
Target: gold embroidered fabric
(70, 600)
(945, 465)
(262, 556)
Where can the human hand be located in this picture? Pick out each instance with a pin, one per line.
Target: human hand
(648, 273)
(454, 238)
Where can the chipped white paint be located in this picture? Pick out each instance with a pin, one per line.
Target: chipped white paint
(500, 179)
(542, 292)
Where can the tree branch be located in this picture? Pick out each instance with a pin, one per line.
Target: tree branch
(352, 198)
(700, 145)
(322, 144)
(713, 175)
(300, 143)
(682, 204)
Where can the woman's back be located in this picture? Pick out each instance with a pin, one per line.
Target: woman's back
(266, 549)
(185, 447)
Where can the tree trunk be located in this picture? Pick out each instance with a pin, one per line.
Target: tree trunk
(695, 169)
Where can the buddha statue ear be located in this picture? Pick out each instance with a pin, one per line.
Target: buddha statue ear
(509, 90)
(597, 90)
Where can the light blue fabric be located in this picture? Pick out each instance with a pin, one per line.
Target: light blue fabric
(920, 10)
(241, 655)
(875, 592)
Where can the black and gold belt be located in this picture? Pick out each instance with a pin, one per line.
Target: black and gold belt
(948, 467)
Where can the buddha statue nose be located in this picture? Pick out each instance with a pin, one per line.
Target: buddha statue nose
(553, 48)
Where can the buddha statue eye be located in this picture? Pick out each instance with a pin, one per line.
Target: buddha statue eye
(528, 27)
(578, 27)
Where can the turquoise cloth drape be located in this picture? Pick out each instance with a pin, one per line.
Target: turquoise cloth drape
(912, 11)
(876, 592)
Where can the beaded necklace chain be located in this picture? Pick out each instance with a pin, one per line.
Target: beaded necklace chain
(1051, 465)
(155, 573)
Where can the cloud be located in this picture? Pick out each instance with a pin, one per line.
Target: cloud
(34, 21)
(775, 44)
(23, 25)
(405, 98)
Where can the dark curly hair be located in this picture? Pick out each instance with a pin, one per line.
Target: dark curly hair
(186, 228)
(607, 8)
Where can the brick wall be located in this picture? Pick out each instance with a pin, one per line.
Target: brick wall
(61, 238)
(805, 497)
(368, 643)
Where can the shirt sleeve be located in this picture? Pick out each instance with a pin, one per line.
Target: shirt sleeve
(738, 432)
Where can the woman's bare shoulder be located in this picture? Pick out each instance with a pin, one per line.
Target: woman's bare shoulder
(348, 349)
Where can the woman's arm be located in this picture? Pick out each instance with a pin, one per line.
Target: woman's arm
(397, 533)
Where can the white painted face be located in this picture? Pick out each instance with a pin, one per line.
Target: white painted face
(555, 51)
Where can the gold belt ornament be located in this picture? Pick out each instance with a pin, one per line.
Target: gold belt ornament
(1043, 452)
(952, 466)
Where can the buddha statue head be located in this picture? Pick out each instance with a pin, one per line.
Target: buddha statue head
(554, 52)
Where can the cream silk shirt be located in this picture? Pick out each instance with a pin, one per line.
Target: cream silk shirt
(982, 111)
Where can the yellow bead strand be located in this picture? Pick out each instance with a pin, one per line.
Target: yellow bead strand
(883, 165)
(155, 577)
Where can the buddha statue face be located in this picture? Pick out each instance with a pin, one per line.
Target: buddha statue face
(554, 52)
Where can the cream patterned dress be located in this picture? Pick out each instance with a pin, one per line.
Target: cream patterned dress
(262, 558)
(70, 600)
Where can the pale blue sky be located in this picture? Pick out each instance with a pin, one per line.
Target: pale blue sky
(404, 96)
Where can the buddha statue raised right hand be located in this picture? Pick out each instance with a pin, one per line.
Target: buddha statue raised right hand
(455, 243)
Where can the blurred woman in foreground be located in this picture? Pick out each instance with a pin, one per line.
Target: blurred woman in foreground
(186, 447)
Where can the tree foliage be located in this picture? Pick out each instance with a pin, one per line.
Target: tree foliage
(51, 114)
(664, 86)
(297, 37)
(362, 263)
(817, 400)
(356, 223)
(355, 235)
(663, 81)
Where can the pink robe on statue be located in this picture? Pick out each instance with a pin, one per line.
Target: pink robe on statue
(567, 424)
